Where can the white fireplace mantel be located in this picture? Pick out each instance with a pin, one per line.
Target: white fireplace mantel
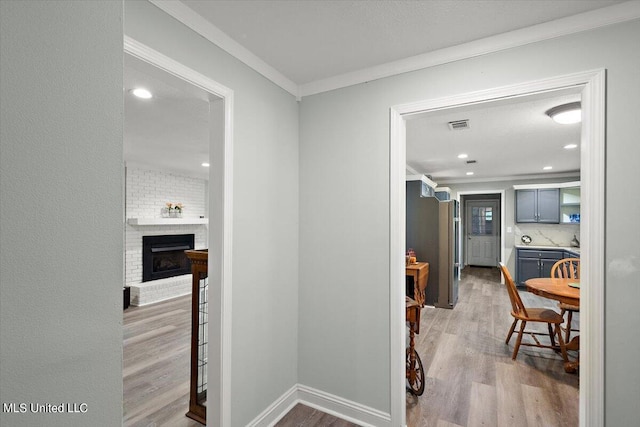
(167, 221)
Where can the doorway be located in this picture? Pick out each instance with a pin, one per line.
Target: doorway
(592, 88)
(482, 231)
(218, 198)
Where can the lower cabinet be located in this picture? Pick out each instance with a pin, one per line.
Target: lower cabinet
(535, 263)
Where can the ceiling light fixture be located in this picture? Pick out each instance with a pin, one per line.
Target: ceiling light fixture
(141, 92)
(547, 168)
(570, 146)
(566, 114)
(463, 156)
(206, 165)
(469, 173)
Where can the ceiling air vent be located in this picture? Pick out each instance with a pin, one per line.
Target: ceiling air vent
(459, 124)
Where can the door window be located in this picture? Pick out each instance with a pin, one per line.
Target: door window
(482, 221)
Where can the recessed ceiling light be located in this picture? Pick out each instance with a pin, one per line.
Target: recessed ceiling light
(141, 92)
(463, 156)
(547, 168)
(570, 146)
(566, 114)
(205, 164)
(469, 173)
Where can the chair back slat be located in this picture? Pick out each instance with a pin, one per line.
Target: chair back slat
(516, 302)
(567, 268)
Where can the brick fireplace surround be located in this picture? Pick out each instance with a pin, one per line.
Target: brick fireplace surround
(147, 191)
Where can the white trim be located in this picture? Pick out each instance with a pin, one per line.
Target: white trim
(559, 175)
(221, 207)
(206, 29)
(342, 408)
(278, 409)
(592, 84)
(326, 402)
(561, 27)
(610, 15)
(569, 184)
(592, 234)
(397, 271)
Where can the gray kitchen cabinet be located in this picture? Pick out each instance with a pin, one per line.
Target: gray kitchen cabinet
(540, 205)
(571, 254)
(532, 263)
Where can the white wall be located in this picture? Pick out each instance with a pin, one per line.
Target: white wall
(344, 211)
(61, 215)
(265, 211)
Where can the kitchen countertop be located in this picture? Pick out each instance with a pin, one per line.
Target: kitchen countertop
(564, 248)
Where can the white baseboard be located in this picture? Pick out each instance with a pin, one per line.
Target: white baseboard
(322, 401)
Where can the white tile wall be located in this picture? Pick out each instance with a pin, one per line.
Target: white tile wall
(147, 191)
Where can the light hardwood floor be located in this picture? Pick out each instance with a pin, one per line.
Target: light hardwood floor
(470, 377)
(156, 364)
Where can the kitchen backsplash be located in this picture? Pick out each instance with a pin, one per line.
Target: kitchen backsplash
(547, 234)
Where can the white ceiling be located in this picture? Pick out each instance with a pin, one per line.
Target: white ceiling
(169, 132)
(307, 41)
(510, 139)
(314, 40)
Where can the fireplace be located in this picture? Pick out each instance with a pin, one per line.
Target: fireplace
(163, 256)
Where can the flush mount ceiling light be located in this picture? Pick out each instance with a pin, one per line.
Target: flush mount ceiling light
(547, 168)
(205, 164)
(566, 114)
(463, 156)
(141, 92)
(570, 146)
(469, 173)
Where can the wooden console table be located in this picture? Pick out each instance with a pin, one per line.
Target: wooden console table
(420, 273)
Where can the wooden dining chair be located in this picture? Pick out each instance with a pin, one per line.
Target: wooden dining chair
(567, 268)
(524, 315)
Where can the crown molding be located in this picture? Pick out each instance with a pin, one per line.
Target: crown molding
(586, 21)
(197, 23)
(560, 27)
(513, 178)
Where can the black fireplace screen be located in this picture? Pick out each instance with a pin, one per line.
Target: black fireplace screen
(163, 256)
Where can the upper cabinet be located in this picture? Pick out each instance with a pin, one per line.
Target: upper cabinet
(570, 205)
(540, 205)
(548, 203)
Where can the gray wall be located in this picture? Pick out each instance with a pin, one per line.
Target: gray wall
(265, 211)
(61, 216)
(344, 236)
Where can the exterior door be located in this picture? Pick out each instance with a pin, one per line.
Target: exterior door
(483, 232)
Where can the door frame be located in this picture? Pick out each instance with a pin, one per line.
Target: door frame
(220, 234)
(500, 194)
(592, 230)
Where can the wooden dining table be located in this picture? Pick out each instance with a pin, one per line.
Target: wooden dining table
(559, 290)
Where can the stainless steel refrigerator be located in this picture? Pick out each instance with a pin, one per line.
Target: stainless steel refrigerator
(432, 232)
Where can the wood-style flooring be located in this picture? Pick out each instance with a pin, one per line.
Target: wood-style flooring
(304, 416)
(157, 341)
(470, 377)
